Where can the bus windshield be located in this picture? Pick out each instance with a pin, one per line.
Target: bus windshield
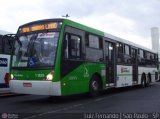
(35, 50)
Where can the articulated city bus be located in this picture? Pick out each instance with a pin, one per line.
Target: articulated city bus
(6, 43)
(60, 57)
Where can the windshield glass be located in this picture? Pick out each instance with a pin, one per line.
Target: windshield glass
(35, 50)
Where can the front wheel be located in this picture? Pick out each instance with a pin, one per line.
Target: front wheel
(94, 87)
(148, 80)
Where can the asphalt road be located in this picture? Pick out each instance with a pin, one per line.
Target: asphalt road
(116, 101)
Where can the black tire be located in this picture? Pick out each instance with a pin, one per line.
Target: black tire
(148, 80)
(143, 81)
(94, 86)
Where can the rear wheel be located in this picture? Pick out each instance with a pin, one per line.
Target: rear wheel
(94, 87)
(148, 80)
(143, 81)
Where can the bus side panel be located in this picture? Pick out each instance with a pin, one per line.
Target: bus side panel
(124, 76)
(4, 68)
(146, 70)
(77, 81)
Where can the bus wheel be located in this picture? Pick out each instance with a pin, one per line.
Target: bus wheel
(94, 87)
(148, 80)
(143, 81)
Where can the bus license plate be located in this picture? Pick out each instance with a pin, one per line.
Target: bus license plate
(27, 85)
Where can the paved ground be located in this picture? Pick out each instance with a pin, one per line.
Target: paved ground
(118, 101)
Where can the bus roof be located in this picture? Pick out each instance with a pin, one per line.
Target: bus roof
(92, 30)
(128, 42)
(112, 37)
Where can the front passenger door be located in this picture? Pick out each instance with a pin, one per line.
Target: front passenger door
(72, 50)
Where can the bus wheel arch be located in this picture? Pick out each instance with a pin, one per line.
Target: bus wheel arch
(95, 85)
(143, 80)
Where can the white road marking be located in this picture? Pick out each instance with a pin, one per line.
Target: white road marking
(70, 107)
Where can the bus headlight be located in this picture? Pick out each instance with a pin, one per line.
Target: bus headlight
(12, 77)
(49, 77)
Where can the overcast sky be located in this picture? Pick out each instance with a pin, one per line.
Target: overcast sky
(128, 19)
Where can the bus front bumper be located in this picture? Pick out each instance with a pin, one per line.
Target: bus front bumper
(35, 87)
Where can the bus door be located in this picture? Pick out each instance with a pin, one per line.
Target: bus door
(73, 48)
(110, 63)
(134, 65)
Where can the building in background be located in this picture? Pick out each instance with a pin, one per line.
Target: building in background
(155, 38)
(155, 41)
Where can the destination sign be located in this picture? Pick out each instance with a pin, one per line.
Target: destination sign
(38, 27)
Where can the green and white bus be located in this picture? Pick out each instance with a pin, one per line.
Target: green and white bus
(60, 57)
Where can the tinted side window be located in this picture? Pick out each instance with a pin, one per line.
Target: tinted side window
(127, 50)
(120, 57)
(73, 46)
(141, 54)
(119, 48)
(93, 41)
(94, 48)
(127, 54)
(148, 56)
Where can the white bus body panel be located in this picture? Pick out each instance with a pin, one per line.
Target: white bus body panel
(4, 67)
(146, 70)
(124, 76)
(36, 87)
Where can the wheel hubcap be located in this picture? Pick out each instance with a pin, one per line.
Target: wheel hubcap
(95, 85)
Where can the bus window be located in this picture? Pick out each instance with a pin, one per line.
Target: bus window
(152, 56)
(119, 47)
(107, 50)
(133, 52)
(73, 46)
(93, 41)
(94, 51)
(127, 50)
(152, 59)
(156, 60)
(127, 54)
(66, 46)
(148, 56)
(110, 51)
(142, 57)
(141, 54)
